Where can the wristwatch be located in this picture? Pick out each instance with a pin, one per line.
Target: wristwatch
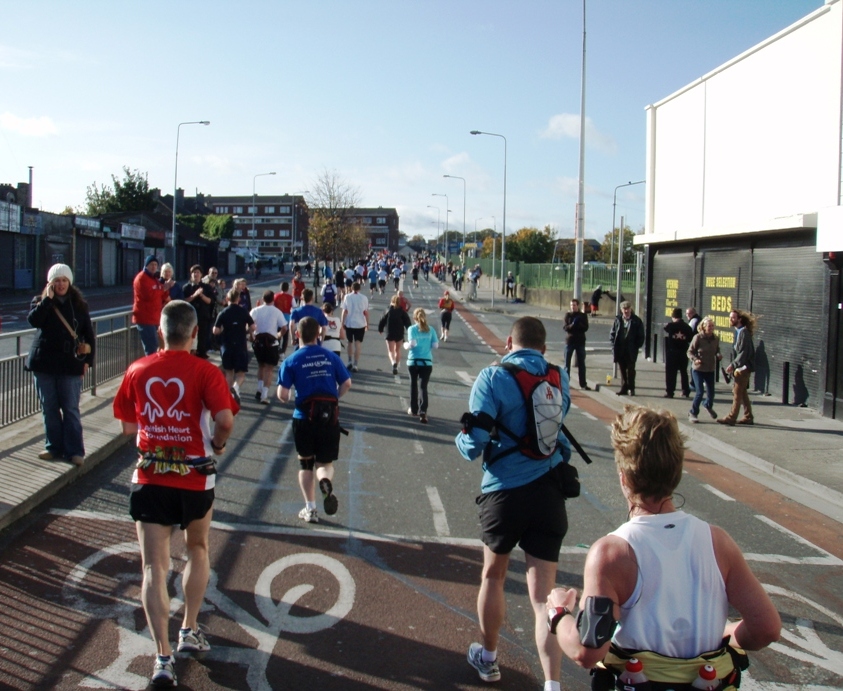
(554, 616)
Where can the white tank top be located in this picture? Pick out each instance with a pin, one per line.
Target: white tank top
(679, 605)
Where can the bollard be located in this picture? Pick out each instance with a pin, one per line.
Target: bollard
(786, 383)
(655, 347)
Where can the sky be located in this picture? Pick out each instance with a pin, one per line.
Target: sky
(382, 92)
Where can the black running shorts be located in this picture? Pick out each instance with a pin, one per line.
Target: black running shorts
(532, 516)
(316, 440)
(355, 334)
(235, 359)
(169, 505)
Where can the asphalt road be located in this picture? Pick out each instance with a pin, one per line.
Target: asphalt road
(381, 595)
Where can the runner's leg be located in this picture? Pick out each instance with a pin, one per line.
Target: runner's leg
(154, 541)
(197, 569)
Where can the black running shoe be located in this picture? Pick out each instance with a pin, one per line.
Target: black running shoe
(327, 489)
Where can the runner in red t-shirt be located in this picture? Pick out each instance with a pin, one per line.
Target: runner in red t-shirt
(298, 287)
(284, 302)
(168, 400)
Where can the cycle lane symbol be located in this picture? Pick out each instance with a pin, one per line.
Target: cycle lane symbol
(277, 615)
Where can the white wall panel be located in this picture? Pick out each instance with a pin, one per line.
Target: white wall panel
(756, 139)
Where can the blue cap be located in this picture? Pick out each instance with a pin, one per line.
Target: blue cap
(150, 258)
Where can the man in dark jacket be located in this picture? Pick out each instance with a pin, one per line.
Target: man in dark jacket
(627, 337)
(678, 337)
(576, 324)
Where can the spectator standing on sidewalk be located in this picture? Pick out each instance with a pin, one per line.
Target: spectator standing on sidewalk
(678, 338)
(693, 318)
(173, 481)
(59, 357)
(522, 499)
(595, 298)
(149, 296)
(202, 296)
(741, 365)
(320, 380)
(667, 577)
(704, 354)
(627, 337)
(576, 324)
(167, 274)
(510, 285)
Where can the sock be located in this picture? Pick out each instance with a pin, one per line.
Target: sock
(261, 387)
(311, 504)
(552, 686)
(165, 658)
(236, 387)
(489, 655)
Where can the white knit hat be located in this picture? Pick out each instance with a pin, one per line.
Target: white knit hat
(58, 271)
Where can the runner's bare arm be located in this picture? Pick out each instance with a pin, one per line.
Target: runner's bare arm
(223, 426)
(343, 389)
(283, 394)
(130, 429)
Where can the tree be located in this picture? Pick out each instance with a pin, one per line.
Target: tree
(417, 242)
(132, 193)
(216, 227)
(333, 231)
(531, 245)
(610, 247)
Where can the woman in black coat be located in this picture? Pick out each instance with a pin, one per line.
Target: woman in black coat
(394, 321)
(59, 360)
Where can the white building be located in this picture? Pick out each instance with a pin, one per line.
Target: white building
(744, 205)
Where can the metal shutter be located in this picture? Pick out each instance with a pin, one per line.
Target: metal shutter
(788, 285)
(673, 286)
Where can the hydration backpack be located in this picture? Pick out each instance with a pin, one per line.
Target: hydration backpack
(544, 404)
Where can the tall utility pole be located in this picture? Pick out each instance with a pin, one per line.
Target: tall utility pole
(580, 230)
(176, 191)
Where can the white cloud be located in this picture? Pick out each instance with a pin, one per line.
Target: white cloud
(454, 162)
(567, 125)
(29, 127)
(14, 58)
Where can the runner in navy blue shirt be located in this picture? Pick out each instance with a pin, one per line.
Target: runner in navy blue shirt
(320, 379)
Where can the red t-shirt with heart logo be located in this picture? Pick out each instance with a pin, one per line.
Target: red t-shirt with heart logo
(173, 397)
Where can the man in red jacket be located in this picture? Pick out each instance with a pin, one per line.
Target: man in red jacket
(149, 297)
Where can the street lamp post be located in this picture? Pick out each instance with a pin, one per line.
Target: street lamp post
(447, 211)
(503, 236)
(457, 177)
(255, 207)
(429, 206)
(620, 234)
(176, 190)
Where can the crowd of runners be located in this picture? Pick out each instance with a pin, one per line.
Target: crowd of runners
(639, 583)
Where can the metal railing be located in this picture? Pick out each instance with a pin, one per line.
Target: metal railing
(561, 276)
(118, 345)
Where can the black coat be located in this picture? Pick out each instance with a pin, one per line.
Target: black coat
(576, 324)
(394, 320)
(53, 349)
(678, 336)
(627, 343)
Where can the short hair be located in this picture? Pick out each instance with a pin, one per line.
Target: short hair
(575, 300)
(196, 267)
(268, 296)
(233, 295)
(327, 307)
(529, 332)
(308, 329)
(307, 295)
(165, 266)
(649, 451)
(677, 313)
(626, 304)
(355, 286)
(177, 321)
(285, 287)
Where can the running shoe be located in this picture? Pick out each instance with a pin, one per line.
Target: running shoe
(692, 418)
(235, 395)
(258, 395)
(309, 515)
(354, 368)
(712, 413)
(265, 400)
(163, 673)
(488, 671)
(395, 369)
(193, 641)
(330, 500)
(423, 418)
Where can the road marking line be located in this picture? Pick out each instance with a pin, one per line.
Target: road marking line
(465, 376)
(717, 493)
(829, 558)
(440, 519)
(588, 415)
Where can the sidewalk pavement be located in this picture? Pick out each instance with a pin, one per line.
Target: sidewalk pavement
(791, 450)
